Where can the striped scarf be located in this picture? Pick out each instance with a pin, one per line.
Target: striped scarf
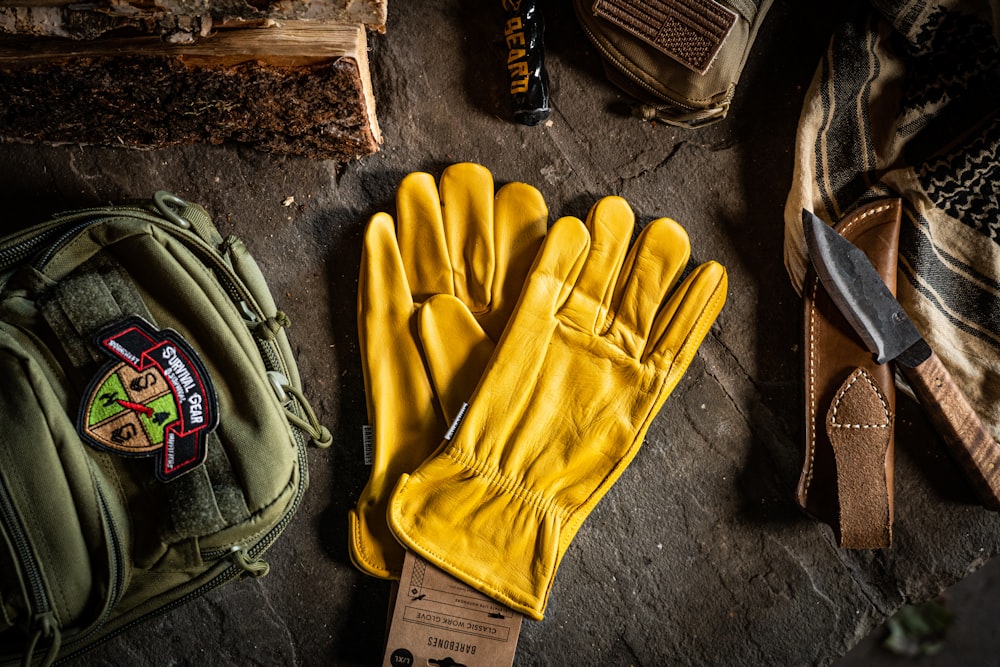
(906, 103)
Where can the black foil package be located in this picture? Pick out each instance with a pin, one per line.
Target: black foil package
(523, 32)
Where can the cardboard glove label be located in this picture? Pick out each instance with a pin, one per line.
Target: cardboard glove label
(597, 342)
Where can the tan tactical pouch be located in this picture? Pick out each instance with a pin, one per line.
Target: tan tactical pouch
(679, 59)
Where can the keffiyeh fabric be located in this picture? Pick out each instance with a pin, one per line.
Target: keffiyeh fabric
(906, 103)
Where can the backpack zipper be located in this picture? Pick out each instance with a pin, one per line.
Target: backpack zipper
(116, 586)
(39, 236)
(18, 253)
(39, 597)
(43, 623)
(40, 604)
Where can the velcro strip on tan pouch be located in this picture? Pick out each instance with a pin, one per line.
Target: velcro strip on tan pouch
(689, 31)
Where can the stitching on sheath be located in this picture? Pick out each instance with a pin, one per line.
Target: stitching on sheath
(812, 382)
(860, 373)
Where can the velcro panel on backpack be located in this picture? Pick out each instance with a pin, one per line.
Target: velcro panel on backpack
(100, 293)
(83, 303)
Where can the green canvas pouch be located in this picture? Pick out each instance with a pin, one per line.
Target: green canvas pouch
(680, 60)
(152, 422)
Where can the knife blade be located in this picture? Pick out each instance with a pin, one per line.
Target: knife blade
(858, 291)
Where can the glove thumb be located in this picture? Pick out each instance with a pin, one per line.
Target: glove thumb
(455, 349)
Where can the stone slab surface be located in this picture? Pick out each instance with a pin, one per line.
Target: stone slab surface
(699, 554)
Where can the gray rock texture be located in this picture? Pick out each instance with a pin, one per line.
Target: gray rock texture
(699, 554)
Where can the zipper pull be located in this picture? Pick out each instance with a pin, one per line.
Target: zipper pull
(45, 627)
(318, 434)
(254, 567)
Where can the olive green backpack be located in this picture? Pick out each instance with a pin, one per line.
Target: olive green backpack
(152, 424)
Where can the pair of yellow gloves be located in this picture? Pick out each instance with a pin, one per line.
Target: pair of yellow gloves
(556, 347)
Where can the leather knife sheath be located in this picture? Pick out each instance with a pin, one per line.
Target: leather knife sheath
(850, 401)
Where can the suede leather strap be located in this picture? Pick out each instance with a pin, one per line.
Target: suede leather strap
(859, 426)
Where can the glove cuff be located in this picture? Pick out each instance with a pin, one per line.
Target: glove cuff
(372, 548)
(482, 528)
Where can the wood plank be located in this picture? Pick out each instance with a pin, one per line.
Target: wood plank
(176, 21)
(303, 88)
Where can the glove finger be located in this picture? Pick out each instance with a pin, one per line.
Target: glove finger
(651, 270)
(394, 378)
(554, 272)
(467, 208)
(610, 223)
(394, 368)
(682, 325)
(455, 348)
(421, 235)
(520, 218)
(383, 289)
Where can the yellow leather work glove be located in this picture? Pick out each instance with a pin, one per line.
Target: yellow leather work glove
(596, 344)
(464, 242)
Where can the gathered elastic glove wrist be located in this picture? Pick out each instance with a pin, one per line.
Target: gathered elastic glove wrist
(598, 341)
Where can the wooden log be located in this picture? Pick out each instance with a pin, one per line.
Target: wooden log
(176, 21)
(302, 88)
(73, 22)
